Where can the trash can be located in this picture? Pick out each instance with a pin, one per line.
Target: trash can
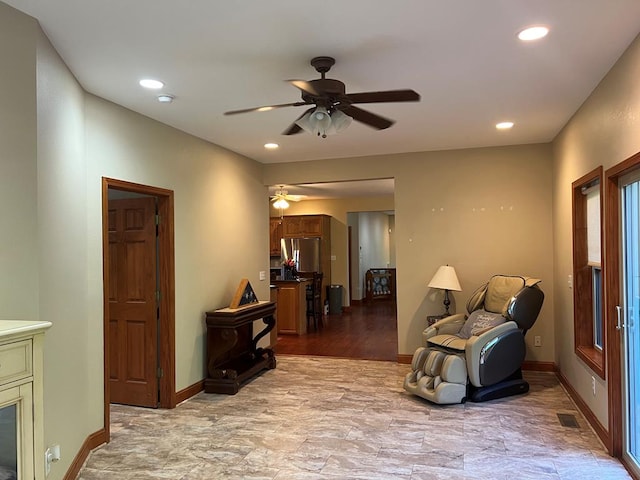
(334, 293)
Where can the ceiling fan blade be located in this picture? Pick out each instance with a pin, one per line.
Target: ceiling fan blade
(265, 108)
(305, 87)
(294, 127)
(294, 198)
(384, 96)
(292, 130)
(368, 118)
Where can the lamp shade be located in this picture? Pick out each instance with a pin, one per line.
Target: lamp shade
(445, 279)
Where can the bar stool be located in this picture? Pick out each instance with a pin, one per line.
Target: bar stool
(314, 301)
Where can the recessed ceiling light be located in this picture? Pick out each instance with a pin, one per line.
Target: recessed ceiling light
(151, 83)
(504, 125)
(533, 33)
(265, 109)
(271, 146)
(165, 98)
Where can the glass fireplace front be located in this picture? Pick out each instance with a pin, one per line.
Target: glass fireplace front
(9, 442)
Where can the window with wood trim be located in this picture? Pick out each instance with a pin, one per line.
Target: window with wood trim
(588, 314)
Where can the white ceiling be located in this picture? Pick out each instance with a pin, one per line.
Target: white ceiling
(461, 56)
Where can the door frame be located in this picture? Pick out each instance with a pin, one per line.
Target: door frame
(612, 298)
(166, 276)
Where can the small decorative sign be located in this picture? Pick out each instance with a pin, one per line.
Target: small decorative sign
(244, 295)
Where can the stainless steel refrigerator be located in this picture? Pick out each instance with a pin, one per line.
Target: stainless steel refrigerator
(305, 252)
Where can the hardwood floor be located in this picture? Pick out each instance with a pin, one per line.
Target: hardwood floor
(369, 331)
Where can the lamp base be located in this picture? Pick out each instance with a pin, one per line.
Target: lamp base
(447, 302)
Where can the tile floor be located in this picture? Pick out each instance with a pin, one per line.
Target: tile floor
(328, 418)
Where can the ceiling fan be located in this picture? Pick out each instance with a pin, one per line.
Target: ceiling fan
(334, 108)
(281, 198)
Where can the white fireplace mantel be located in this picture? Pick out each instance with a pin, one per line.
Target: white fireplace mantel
(21, 370)
(12, 328)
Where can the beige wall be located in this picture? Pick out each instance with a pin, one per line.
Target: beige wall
(221, 217)
(18, 199)
(73, 371)
(485, 211)
(605, 131)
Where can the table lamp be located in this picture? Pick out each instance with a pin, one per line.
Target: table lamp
(446, 279)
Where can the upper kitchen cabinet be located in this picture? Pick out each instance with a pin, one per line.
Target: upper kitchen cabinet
(296, 226)
(275, 234)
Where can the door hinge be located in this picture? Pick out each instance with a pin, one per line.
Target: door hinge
(160, 372)
(157, 295)
(157, 219)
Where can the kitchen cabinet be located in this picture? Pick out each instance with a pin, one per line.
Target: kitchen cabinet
(21, 397)
(296, 226)
(309, 226)
(291, 306)
(275, 234)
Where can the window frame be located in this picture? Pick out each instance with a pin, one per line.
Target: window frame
(583, 298)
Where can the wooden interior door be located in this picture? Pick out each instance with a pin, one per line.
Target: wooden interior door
(133, 326)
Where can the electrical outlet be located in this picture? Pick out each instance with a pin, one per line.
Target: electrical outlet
(570, 281)
(537, 341)
(593, 385)
(52, 454)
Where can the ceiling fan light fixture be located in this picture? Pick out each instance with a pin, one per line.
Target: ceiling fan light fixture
(340, 121)
(320, 122)
(303, 123)
(281, 204)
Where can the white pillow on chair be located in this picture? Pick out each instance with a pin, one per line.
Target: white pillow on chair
(478, 321)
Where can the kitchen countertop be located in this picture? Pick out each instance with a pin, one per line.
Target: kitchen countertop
(275, 283)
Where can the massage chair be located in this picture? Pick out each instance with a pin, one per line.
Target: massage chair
(478, 356)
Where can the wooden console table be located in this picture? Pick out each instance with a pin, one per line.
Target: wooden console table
(233, 355)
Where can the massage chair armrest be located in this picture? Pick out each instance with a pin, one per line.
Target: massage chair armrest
(476, 344)
(448, 325)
